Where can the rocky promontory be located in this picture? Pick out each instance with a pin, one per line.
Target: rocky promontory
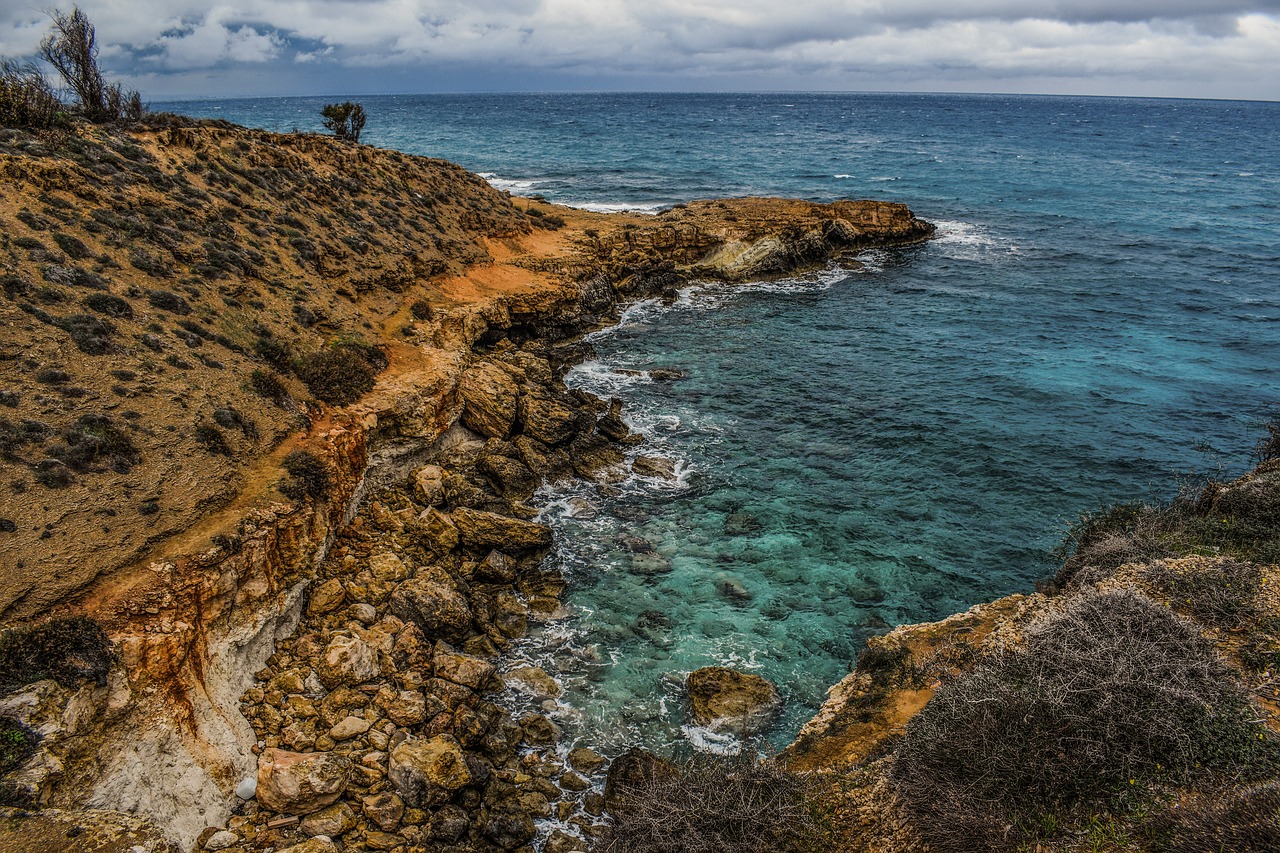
(274, 405)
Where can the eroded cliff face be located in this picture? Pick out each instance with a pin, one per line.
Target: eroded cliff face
(277, 246)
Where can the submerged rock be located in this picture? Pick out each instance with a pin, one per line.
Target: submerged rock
(726, 700)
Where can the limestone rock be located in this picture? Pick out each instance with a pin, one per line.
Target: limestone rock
(347, 728)
(489, 400)
(428, 485)
(387, 567)
(347, 660)
(586, 760)
(482, 529)
(316, 845)
(726, 700)
(326, 597)
(300, 783)
(658, 467)
(433, 603)
(426, 772)
(497, 567)
(221, 840)
(549, 421)
(470, 672)
(437, 531)
(383, 810)
(331, 821)
(533, 680)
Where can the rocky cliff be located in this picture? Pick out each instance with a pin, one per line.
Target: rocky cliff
(219, 345)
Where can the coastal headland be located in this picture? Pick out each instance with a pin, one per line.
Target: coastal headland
(273, 406)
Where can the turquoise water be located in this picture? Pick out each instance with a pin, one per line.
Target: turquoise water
(1097, 319)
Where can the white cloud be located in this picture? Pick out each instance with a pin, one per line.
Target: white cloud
(1227, 47)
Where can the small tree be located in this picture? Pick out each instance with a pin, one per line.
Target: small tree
(26, 98)
(72, 49)
(346, 120)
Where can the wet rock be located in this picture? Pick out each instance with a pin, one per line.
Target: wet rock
(572, 781)
(650, 564)
(481, 529)
(667, 374)
(433, 603)
(726, 700)
(426, 772)
(657, 467)
(634, 768)
(533, 680)
(510, 617)
(562, 842)
(586, 760)
(470, 672)
(489, 400)
(539, 731)
(326, 597)
(497, 567)
(347, 660)
(547, 463)
(594, 458)
(547, 420)
(509, 830)
(428, 485)
(734, 590)
(331, 821)
(437, 532)
(611, 425)
(383, 810)
(300, 783)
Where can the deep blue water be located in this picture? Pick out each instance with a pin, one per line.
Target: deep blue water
(1097, 320)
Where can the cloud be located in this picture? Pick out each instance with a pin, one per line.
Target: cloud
(1225, 47)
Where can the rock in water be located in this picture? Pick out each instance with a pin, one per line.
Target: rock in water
(728, 701)
(300, 783)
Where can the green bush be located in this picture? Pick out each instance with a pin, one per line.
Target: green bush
(1110, 697)
(340, 374)
(346, 120)
(70, 651)
(308, 476)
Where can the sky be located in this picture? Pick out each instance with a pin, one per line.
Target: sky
(175, 49)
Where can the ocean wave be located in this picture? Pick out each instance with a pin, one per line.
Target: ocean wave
(968, 242)
(649, 208)
(511, 185)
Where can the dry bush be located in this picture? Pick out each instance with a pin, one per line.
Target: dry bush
(1108, 698)
(1244, 820)
(342, 373)
(26, 98)
(1223, 593)
(714, 804)
(308, 476)
(67, 650)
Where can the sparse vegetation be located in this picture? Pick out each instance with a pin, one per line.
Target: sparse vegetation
(340, 374)
(712, 804)
(1108, 700)
(70, 651)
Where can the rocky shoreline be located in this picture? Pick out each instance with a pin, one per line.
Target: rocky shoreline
(323, 672)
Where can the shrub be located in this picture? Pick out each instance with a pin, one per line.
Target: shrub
(212, 439)
(1220, 592)
(308, 476)
(90, 334)
(109, 304)
(1244, 820)
(269, 385)
(340, 374)
(421, 309)
(71, 47)
(713, 804)
(70, 651)
(26, 98)
(17, 744)
(73, 246)
(346, 120)
(1112, 695)
(94, 441)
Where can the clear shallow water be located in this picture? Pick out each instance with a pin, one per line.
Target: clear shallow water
(1097, 318)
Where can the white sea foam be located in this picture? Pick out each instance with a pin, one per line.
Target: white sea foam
(510, 185)
(968, 242)
(648, 208)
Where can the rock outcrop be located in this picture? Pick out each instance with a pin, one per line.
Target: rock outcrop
(729, 701)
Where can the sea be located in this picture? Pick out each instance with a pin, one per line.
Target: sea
(1097, 320)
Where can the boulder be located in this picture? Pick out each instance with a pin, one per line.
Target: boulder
(405, 708)
(330, 822)
(488, 400)
(657, 467)
(726, 700)
(433, 603)
(347, 660)
(387, 567)
(383, 810)
(347, 728)
(428, 772)
(326, 597)
(508, 476)
(611, 425)
(497, 567)
(471, 672)
(428, 485)
(586, 760)
(634, 768)
(300, 783)
(437, 532)
(547, 463)
(548, 420)
(533, 680)
(480, 529)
